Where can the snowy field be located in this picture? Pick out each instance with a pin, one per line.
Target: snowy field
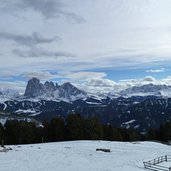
(81, 156)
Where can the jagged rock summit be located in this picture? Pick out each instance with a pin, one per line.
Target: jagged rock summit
(34, 88)
(67, 91)
(44, 101)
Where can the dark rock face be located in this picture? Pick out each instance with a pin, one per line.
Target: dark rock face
(67, 90)
(34, 88)
(49, 89)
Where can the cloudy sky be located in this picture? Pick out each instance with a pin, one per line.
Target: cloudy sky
(92, 43)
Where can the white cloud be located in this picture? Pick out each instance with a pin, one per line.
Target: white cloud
(149, 79)
(48, 9)
(118, 34)
(95, 83)
(43, 76)
(38, 53)
(17, 85)
(156, 70)
(140, 81)
(28, 40)
(83, 76)
(166, 80)
(104, 85)
(101, 83)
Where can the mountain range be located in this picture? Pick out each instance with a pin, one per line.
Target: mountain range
(139, 107)
(66, 91)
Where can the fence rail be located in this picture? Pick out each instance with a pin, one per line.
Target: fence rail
(155, 163)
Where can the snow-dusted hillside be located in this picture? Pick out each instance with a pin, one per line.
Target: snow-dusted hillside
(81, 156)
(147, 90)
(44, 101)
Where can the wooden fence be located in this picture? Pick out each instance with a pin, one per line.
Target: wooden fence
(155, 164)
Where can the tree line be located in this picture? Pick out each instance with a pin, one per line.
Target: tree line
(75, 127)
(162, 134)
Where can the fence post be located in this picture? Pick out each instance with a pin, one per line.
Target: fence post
(42, 140)
(2, 143)
(166, 158)
(144, 164)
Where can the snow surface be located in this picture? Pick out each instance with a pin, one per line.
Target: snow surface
(93, 103)
(5, 106)
(81, 156)
(31, 112)
(25, 111)
(3, 120)
(129, 122)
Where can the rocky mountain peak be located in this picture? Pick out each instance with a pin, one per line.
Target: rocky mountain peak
(49, 86)
(67, 85)
(34, 80)
(70, 90)
(34, 88)
(49, 89)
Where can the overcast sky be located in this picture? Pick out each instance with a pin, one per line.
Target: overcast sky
(92, 42)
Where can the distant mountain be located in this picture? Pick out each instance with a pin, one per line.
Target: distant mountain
(140, 113)
(66, 91)
(9, 94)
(139, 107)
(147, 90)
(49, 90)
(70, 92)
(34, 88)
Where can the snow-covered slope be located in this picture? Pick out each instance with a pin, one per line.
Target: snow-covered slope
(118, 112)
(8, 94)
(37, 91)
(147, 90)
(81, 156)
(44, 101)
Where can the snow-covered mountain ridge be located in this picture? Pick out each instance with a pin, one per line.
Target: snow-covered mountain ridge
(146, 90)
(141, 108)
(35, 91)
(140, 113)
(66, 91)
